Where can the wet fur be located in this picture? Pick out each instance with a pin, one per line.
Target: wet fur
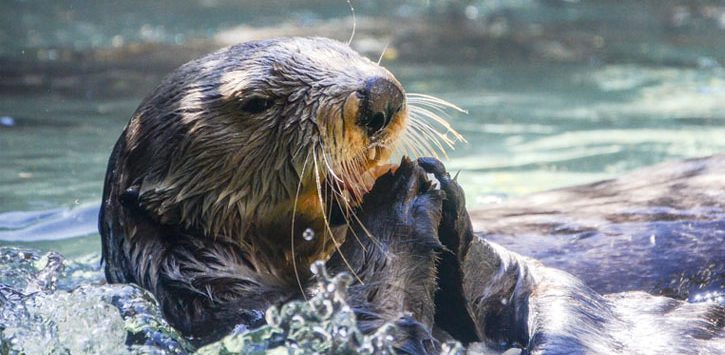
(514, 301)
(175, 220)
(200, 198)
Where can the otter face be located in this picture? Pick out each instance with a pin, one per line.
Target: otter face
(340, 113)
(257, 129)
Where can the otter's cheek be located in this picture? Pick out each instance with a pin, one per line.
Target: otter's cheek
(354, 136)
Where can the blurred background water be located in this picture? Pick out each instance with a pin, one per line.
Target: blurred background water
(558, 92)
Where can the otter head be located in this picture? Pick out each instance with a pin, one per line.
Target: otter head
(256, 131)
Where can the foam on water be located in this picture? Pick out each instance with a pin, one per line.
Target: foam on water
(51, 305)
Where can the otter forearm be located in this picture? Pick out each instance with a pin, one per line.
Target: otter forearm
(396, 284)
(393, 276)
(486, 286)
(393, 250)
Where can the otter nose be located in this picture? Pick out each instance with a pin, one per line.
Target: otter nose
(381, 100)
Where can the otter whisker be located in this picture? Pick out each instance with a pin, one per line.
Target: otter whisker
(419, 143)
(328, 206)
(410, 148)
(422, 113)
(432, 100)
(427, 133)
(327, 222)
(354, 22)
(425, 113)
(374, 239)
(382, 54)
(292, 233)
(422, 107)
(329, 167)
(352, 170)
(348, 210)
(349, 170)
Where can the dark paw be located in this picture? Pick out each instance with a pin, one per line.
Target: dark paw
(455, 228)
(399, 187)
(406, 205)
(455, 199)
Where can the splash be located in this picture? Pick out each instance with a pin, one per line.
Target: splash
(52, 305)
(324, 324)
(49, 305)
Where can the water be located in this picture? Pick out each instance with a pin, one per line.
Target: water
(530, 127)
(622, 86)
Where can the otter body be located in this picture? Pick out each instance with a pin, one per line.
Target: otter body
(230, 161)
(245, 166)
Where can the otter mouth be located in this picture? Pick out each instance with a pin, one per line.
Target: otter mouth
(372, 125)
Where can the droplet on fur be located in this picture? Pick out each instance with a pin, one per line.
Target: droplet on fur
(308, 234)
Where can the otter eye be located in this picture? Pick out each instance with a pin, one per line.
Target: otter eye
(257, 104)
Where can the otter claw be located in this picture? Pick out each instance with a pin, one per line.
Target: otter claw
(433, 166)
(434, 182)
(445, 182)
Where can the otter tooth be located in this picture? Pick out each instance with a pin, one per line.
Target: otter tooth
(372, 153)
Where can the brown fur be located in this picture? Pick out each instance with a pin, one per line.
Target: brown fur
(234, 155)
(206, 200)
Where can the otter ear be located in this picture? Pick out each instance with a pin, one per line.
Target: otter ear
(139, 199)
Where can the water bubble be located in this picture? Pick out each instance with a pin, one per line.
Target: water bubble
(713, 296)
(326, 309)
(308, 234)
(297, 322)
(471, 12)
(272, 316)
(7, 121)
(318, 268)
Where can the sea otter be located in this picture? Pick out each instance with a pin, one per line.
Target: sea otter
(246, 165)
(227, 168)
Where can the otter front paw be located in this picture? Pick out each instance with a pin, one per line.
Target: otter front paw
(394, 249)
(455, 230)
(405, 206)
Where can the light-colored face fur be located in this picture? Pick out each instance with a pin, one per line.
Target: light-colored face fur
(259, 131)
